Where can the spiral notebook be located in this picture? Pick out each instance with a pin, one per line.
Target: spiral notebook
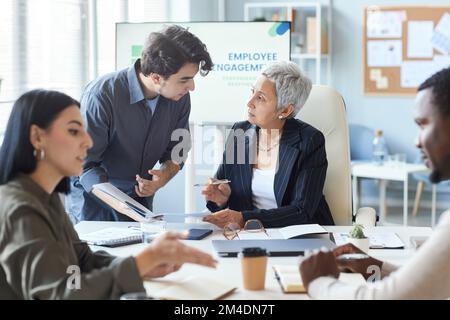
(113, 237)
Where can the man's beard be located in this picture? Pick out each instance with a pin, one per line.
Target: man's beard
(437, 174)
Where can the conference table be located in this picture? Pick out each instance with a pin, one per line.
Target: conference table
(229, 269)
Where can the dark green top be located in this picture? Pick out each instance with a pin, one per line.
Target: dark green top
(40, 249)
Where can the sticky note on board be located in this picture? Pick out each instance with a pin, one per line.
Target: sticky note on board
(375, 74)
(402, 15)
(382, 83)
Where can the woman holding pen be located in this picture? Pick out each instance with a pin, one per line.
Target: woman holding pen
(275, 164)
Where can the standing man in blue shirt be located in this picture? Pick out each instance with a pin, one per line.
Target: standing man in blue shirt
(131, 115)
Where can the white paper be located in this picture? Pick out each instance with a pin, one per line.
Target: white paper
(441, 35)
(246, 235)
(301, 229)
(189, 215)
(197, 287)
(413, 73)
(385, 24)
(377, 240)
(384, 53)
(419, 39)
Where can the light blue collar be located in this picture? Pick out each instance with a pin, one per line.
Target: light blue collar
(136, 93)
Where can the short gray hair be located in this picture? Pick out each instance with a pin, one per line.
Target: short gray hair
(291, 85)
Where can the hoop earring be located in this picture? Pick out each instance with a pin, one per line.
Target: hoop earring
(41, 154)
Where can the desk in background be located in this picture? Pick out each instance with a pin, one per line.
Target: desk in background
(385, 172)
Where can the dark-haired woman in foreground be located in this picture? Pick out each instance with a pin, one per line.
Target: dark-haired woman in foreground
(40, 252)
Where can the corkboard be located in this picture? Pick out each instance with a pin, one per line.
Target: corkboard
(392, 86)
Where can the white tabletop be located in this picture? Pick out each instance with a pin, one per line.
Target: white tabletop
(229, 270)
(386, 171)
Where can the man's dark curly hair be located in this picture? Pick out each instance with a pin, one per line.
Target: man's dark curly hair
(440, 86)
(165, 52)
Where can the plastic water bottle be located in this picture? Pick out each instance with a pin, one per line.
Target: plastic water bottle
(379, 148)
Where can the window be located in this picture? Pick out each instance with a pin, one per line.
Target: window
(45, 43)
(110, 12)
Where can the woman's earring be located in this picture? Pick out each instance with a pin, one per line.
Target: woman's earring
(280, 117)
(41, 154)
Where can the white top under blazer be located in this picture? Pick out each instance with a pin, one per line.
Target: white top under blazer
(263, 194)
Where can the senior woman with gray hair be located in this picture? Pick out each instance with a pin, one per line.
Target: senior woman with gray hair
(276, 164)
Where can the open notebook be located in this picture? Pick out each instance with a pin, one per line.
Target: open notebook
(291, 282)
(195, 288)
(291, 232)
(113, 237)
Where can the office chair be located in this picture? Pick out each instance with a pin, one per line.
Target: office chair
(361, 138)
(325, 110)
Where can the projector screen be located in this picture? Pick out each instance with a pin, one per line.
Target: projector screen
(239, 51)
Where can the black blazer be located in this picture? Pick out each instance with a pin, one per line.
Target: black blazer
(298, 183)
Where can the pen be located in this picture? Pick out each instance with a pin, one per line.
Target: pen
(212, 184)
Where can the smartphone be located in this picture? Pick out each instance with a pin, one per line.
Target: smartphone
(198, 234)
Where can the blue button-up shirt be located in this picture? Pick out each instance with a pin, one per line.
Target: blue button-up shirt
(130, 135)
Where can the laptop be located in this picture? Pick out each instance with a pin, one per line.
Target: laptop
(274, 247)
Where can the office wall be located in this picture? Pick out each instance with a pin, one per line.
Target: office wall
(391, 114)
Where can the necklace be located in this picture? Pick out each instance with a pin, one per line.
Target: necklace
(269, 148)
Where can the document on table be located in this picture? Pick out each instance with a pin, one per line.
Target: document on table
(290, 232)
(385, 240)
(290, 280)
(188, 214)
(195, 288)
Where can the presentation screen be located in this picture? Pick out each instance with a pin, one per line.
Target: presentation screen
(239, 51)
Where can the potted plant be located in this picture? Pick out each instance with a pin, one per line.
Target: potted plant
(358, 238)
